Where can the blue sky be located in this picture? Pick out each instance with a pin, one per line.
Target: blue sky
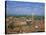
(24, 8)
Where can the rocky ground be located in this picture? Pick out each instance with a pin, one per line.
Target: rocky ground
(23, 25)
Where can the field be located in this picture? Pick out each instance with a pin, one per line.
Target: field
(24, 24)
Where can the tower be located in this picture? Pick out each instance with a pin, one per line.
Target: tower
(33, 20)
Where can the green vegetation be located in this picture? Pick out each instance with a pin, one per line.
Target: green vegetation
(37, 17)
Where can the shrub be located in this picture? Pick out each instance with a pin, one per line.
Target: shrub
(11, 26)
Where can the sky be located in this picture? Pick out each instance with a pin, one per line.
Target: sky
(24, 8)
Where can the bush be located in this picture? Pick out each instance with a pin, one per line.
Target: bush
(11, 26)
